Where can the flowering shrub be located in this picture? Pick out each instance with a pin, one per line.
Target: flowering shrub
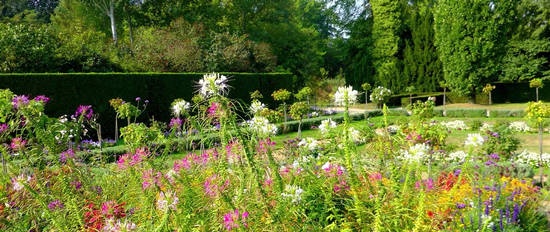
(380, 95)
(406, 179)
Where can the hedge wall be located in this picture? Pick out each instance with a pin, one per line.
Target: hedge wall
(67, 91)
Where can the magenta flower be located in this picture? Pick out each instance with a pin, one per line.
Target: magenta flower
(183, 163)
(85, 111)
(213, 110)
(20, 101)
(234, 220)
(175, 123)
(3, 127)
(56, 204)
(18, 144)
(66, 154)
(42, 98)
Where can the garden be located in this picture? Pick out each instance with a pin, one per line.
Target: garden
(223, 165)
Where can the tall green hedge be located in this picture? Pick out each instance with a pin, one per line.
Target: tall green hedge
(69, 90)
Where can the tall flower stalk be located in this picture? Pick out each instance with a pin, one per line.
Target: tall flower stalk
(346, 96)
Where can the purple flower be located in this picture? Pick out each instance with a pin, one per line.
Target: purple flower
(138, 99)
(56, 204)
(457, 172)
(460, 205)
(85, 111)
(3, 127)
(494, 156)
(146, 101)
(66, 154)
(175, 123)
(20, 101)
(42, 98)
(77, 184)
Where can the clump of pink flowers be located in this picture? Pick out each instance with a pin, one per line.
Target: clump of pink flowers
(234, 219)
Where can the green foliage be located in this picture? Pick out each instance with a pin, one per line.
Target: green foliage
(387, 23)
(139, 135)
(536, 83)
(468, 39)
(501, 141)
(281, 95)
(380, 95)
(26, 48)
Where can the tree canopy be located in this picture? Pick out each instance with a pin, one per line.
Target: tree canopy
(390, 43)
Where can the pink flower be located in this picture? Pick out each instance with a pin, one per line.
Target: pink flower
(3, 127)
(234, 219)
(212, 187)
(149, 178)
(175, 123)
(18, 144)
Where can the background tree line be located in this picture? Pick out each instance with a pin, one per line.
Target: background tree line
(460, 44)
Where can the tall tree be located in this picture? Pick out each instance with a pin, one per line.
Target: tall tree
(107, 7)
(528, 50)
(421, 65)
(385, 31)
(468, 39)
(358, 64)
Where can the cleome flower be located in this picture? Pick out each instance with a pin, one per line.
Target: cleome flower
(345, 96)
(262, 127)
(180, 107)
(519, 126)
(213, 84)
(326, 125)
(416, 153)
(309, 143)
(293, 192)
(256, 107)
(474, 139)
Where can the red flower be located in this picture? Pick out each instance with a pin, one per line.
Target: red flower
(430, 214)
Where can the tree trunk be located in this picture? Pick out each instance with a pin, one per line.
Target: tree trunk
(537, 91)
(111, 14)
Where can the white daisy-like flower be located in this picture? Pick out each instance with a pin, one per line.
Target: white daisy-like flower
(345, 96)
(213, 84)
(179, 107)
(532, 158)
(326, 125)
(262, 126)
(256, 107)
(310, 143)
(474, 140)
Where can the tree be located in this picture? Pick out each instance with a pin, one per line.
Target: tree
(420, 63)
(26, 48)
(537, 84)
(107, 7)
(488, 89)
(529, 44)
(385, 31)
(468, 39)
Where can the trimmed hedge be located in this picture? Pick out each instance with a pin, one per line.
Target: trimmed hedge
(69, 90)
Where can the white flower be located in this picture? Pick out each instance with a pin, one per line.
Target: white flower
(167, 200)
(456, 125)
(416, 153)
(345, 96)
(326, 125)
(314, 114)
(20, 181)
(532, 158)
(355, 135)
(310, 143)
(457, 156)
(519, 126)
(486, 127)
(474, 140)
(293, 192)
(262, 127)
(256, 107)
(116, 226)
(212, 84)
(379, 94)
(179, 107)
